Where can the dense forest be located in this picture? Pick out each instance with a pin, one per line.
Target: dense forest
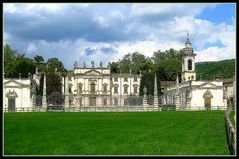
(209, 70)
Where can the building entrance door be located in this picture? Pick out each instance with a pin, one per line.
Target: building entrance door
(207, 99)
(207, 103)
(11, 104)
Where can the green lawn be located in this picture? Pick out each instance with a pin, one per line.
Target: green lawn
(115, 133)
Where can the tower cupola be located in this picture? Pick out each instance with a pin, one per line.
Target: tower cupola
(188, 62)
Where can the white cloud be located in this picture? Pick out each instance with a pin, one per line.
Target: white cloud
(116, 14)
(169, 10)
(101, 21)
(214, 54)
(166, 29)
(9, 8)
(32, 48)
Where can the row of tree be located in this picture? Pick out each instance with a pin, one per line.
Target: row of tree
(166, 65)
(15, 63)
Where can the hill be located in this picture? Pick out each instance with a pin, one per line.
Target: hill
(208, 70)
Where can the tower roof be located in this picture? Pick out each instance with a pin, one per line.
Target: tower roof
(188, 50)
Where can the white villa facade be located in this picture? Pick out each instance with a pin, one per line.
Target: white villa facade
(193, 94)
(17, 94)
(98, 87)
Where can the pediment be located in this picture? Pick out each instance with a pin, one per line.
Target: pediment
(92, 73)
(12, 83)
(207, 85)
(11, 94)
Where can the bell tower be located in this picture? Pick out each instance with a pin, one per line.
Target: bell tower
(188, 62)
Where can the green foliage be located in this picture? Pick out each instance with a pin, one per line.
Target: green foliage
(53, 82)
(147, 81)
(135, 61)
(114, 67)
(115, 133)
(15, 63)
(208, 70)
(54, 63)
(38, 59)
(9, 54)
(19, 65)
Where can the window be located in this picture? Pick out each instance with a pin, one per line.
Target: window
(135, 79)
(116, 79)
(115, 101)
(135, 89)
(115, 89)
(125, 102)
(80, 88)
(125, 79)
(105, 102)
(105, 88)
(92, 87)
(125, 89)
(189, 64)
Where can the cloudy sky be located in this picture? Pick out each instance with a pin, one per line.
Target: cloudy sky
(106, 32)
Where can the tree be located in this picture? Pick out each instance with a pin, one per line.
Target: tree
(114, 67)
(54, 63)
(20, 65)
(39, 61)
(9, 54)
(147, 81)
(53, 82)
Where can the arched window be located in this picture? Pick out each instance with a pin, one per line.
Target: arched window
(135, 89)
(125, 89)
(189, 64)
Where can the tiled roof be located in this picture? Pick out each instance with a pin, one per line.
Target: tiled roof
(167, 83)
(228, 80)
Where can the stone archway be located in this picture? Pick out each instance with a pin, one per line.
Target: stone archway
(207, 99)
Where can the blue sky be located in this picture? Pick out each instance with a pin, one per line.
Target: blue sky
(106, 32)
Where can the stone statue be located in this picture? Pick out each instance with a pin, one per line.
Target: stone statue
(145, 91)
(75, 64)
(92, 63)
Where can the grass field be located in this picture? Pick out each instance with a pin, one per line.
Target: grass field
(115, 133)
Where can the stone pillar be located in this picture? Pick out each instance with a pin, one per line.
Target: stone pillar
(177, 102)
(66, 94)
(145, 104)
(44, 105)
(156, 103)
